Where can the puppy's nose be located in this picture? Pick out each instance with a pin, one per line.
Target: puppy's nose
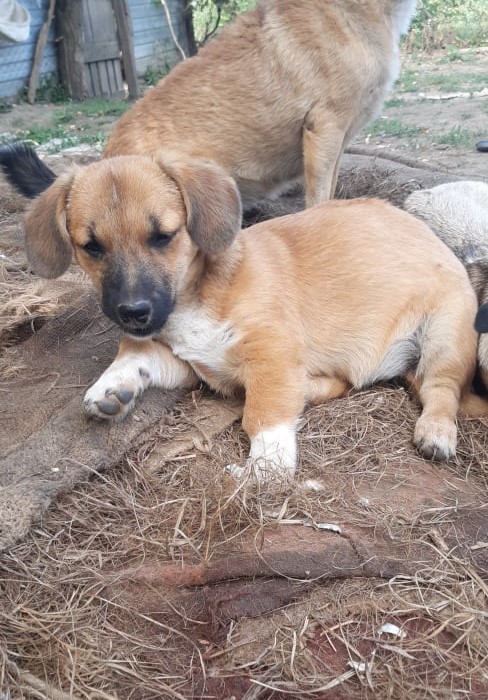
(137, 313)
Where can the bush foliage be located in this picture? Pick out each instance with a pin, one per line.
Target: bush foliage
(436, 24)
(439, 23)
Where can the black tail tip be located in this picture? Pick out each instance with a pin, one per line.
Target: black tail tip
(12, 153)
(481, 320)
(25, 170)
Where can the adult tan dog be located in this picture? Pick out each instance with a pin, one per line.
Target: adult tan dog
(294, 310)
(277, 95)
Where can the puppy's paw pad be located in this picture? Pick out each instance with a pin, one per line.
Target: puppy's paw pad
(110, 408)
(111, 405)
(125, 396)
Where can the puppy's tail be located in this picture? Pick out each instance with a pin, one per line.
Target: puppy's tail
(25, 170)
(471, 405)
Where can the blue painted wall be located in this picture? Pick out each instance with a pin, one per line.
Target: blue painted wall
(16, 58)
(153, 45)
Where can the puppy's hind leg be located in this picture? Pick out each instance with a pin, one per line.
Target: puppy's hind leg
(138, 365)
(445, 370)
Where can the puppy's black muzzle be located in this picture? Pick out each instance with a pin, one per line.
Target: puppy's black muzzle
(142, 317)
(137, 314)
(141, 308)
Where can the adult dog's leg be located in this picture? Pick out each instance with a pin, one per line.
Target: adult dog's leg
(323, 141)
(445, 371)
(138, 365)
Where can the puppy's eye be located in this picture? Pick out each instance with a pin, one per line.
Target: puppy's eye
(160, 239)
(93, 249)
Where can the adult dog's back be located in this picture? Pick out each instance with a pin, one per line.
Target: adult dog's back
(277, 95)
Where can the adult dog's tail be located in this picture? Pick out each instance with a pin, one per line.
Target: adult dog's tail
(25, 170)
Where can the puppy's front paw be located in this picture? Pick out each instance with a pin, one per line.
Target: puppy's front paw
(435, 438)
(273, 454)
(113, 396)
(110, 403)
(260, 471)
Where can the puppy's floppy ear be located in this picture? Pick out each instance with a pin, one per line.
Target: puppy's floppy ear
(47, 242)
(212, 200)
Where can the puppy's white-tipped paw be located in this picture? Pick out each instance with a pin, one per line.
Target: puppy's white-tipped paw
(260, 471)
(113, 396)
(115, 404)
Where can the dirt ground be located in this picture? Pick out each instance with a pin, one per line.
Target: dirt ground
(438, 111)
(153, 575)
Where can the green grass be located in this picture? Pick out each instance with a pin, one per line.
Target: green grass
(42, 134)
(91, 108)
(394, 102)
(50, 90)
(67, 126)
(61, 137)
(458, 82)
(438, 23)
(392, 127)
(153, 74)
(69, 141)
(455, 55)
(458, 137)
(416, 81)
(408, 81)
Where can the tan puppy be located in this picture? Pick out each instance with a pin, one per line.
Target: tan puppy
(294, 310)
(277, 95)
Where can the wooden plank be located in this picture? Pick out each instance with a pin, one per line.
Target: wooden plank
(101, 51)
(164, 50)
(41, 43)
(87, 79)
(70, 27)
(124, 29)
(95, 80)
(104, 81)
(102, 48)
(119, 79)
(112, 86)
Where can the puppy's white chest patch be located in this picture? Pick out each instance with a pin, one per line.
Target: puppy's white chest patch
(197, 338)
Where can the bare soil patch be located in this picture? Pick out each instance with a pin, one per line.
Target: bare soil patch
(438, 111)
